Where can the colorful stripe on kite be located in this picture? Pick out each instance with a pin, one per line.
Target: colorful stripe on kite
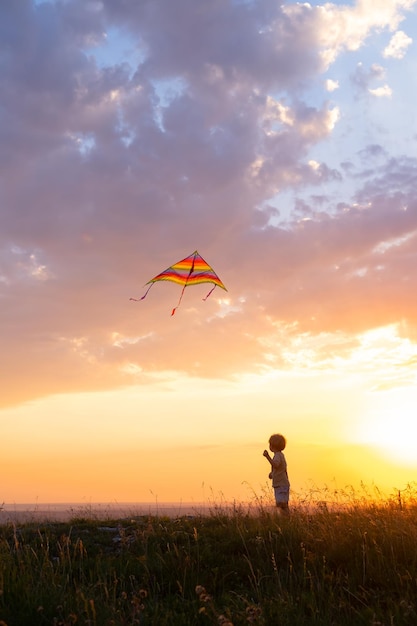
(193, 270)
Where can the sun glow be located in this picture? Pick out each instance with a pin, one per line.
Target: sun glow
(391, 426)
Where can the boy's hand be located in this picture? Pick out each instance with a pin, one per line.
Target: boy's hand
(266, 453)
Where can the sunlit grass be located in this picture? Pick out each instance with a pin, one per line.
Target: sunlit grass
(340, 558)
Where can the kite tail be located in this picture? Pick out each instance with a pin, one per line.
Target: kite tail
(179, 301)
(144, 296)
(211, 291)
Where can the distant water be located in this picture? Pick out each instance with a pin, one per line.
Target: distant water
(100, 511)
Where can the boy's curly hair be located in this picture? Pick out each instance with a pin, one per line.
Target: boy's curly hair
(277, 442)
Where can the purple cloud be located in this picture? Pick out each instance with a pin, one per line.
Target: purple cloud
(111, 172)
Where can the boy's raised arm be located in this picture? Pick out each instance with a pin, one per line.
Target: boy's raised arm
(267, 456)
(271, 460)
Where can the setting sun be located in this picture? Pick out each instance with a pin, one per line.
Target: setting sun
(391, 426)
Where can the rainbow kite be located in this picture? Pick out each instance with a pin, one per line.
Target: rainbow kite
(193, 270)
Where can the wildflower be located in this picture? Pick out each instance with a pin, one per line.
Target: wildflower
(224, 621)
(253, 614)
(203, 596)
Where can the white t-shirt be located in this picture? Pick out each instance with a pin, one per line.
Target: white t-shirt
(279, 470)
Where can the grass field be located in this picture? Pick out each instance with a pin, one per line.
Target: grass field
(334, 561)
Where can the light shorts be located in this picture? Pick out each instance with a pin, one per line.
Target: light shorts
(282, 494)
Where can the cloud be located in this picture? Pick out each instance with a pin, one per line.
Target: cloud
(363, 78)
(331, 85)
(398, 45)
(381, 92)
(111, 171)
(348, 27)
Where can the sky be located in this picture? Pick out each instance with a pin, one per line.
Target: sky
(277, 139)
